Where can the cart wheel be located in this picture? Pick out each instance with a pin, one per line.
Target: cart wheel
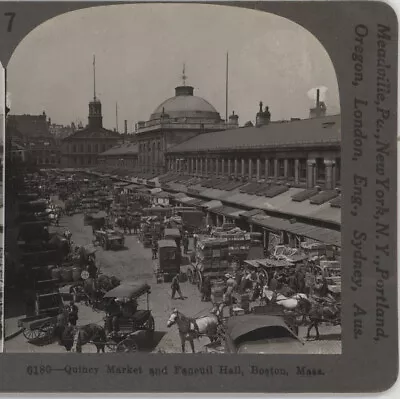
(46, 330)
(111, 346)
(128, 345)
(150, 327)
(30, 335)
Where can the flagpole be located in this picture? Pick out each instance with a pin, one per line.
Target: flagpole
(226, 88)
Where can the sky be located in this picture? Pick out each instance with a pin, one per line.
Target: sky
(140, 50)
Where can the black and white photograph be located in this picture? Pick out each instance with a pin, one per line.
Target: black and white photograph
(173, 185)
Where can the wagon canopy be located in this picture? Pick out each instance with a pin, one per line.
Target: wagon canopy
(130, 291)
(172, 233)
(167, 244)
(239, 326)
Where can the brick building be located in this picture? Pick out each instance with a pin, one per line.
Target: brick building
(81, 149)
(32, 133)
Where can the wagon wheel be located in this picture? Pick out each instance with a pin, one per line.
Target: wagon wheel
(111, 346)
(128, 345)
(46, 330)
(30, 335)
(150, 327)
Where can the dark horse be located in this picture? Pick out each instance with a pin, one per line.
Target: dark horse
(71, 336)
(319, 312)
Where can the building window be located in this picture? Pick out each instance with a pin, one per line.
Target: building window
(81, 148)
(291, 168)
(74, 148)
(103, 147)
(74, 159)
(281, 167)
(89, 160)
(271, 167)
(303, 169)
(89, 148)
(96, 148)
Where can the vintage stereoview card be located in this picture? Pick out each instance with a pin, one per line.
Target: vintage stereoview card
(200, 197)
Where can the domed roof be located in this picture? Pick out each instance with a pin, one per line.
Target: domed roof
(185, 104)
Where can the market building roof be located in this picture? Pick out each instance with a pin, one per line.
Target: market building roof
(89, 132)
(123, 149)
(307, 132)
(185, 104)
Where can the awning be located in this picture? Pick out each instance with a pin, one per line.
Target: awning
(321, 234)
(195, 202)
(155, 190)
(131, 186)
(163, 194)
(253, 212)
(228, 211)
(179, 195)
(184, 200)
(212, 204)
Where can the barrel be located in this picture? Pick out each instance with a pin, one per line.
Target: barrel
(56, 274)
(66, 274)
(76, 273)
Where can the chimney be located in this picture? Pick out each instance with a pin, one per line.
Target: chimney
(263, 117)
(233, 120)
(320, 108)
(126, 126)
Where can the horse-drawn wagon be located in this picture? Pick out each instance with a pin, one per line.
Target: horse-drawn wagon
(41, 325)
(109, 239)
(169, 260)
(124, 320)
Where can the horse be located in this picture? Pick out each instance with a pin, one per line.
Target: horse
(191, 328)
(75, 337)
(289, 303)
(321, 312)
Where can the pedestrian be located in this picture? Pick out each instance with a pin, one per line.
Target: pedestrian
(155, 249)
(185, 244)
(195, 241)
(175, 286)
(273, 284)
(73, 313)
(206, 289)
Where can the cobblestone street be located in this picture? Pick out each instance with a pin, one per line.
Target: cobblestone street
(134, 263)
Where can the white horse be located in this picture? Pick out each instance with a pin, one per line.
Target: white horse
(280, 299)
(191, 329)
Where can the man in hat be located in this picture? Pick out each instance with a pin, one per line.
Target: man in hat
(154, 248)
(206, 289)
(175, 286)
(73, 313)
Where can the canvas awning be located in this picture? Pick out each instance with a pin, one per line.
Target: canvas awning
(195, 202)
(213, 204)
(228, 211)
(322, 234)
(253, 212)
(155, 190)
